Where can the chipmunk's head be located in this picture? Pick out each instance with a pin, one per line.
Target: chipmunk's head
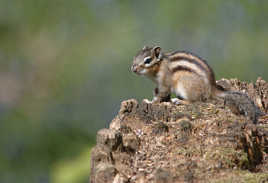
(147, 60)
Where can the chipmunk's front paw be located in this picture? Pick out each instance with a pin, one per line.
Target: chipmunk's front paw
(156, 100)
(161, 99)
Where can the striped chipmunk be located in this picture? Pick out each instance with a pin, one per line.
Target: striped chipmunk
(190, 78)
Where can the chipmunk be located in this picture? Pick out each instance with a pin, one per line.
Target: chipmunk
(189, 77)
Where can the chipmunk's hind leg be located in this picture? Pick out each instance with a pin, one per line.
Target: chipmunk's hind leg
(179, 100)
(190, 87)
(180, 97)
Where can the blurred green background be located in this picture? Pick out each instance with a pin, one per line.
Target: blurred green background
(65, 68)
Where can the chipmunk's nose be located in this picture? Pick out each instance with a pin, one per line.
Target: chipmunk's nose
(134, 68)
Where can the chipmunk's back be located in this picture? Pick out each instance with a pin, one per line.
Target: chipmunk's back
(194, 62)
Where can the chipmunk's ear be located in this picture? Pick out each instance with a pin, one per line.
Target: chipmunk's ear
(156, 51)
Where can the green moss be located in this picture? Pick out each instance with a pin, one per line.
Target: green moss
(185, 125)
(189, 152)
(229, 157)
(243, 177)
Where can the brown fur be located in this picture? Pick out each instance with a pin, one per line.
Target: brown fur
(189, 56)
(189, 77)
(193, 84)
(194, 76)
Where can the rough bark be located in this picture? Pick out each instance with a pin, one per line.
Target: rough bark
(199, 142)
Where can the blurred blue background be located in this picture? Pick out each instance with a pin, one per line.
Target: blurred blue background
(65, 68)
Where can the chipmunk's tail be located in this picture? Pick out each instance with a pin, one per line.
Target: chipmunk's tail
(238, 102)
(219, 91)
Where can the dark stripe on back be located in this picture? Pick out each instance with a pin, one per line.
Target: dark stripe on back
(188, 53)
(180, 57)
(182, 68)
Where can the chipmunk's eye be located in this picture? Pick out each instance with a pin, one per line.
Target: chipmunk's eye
(147, 60)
